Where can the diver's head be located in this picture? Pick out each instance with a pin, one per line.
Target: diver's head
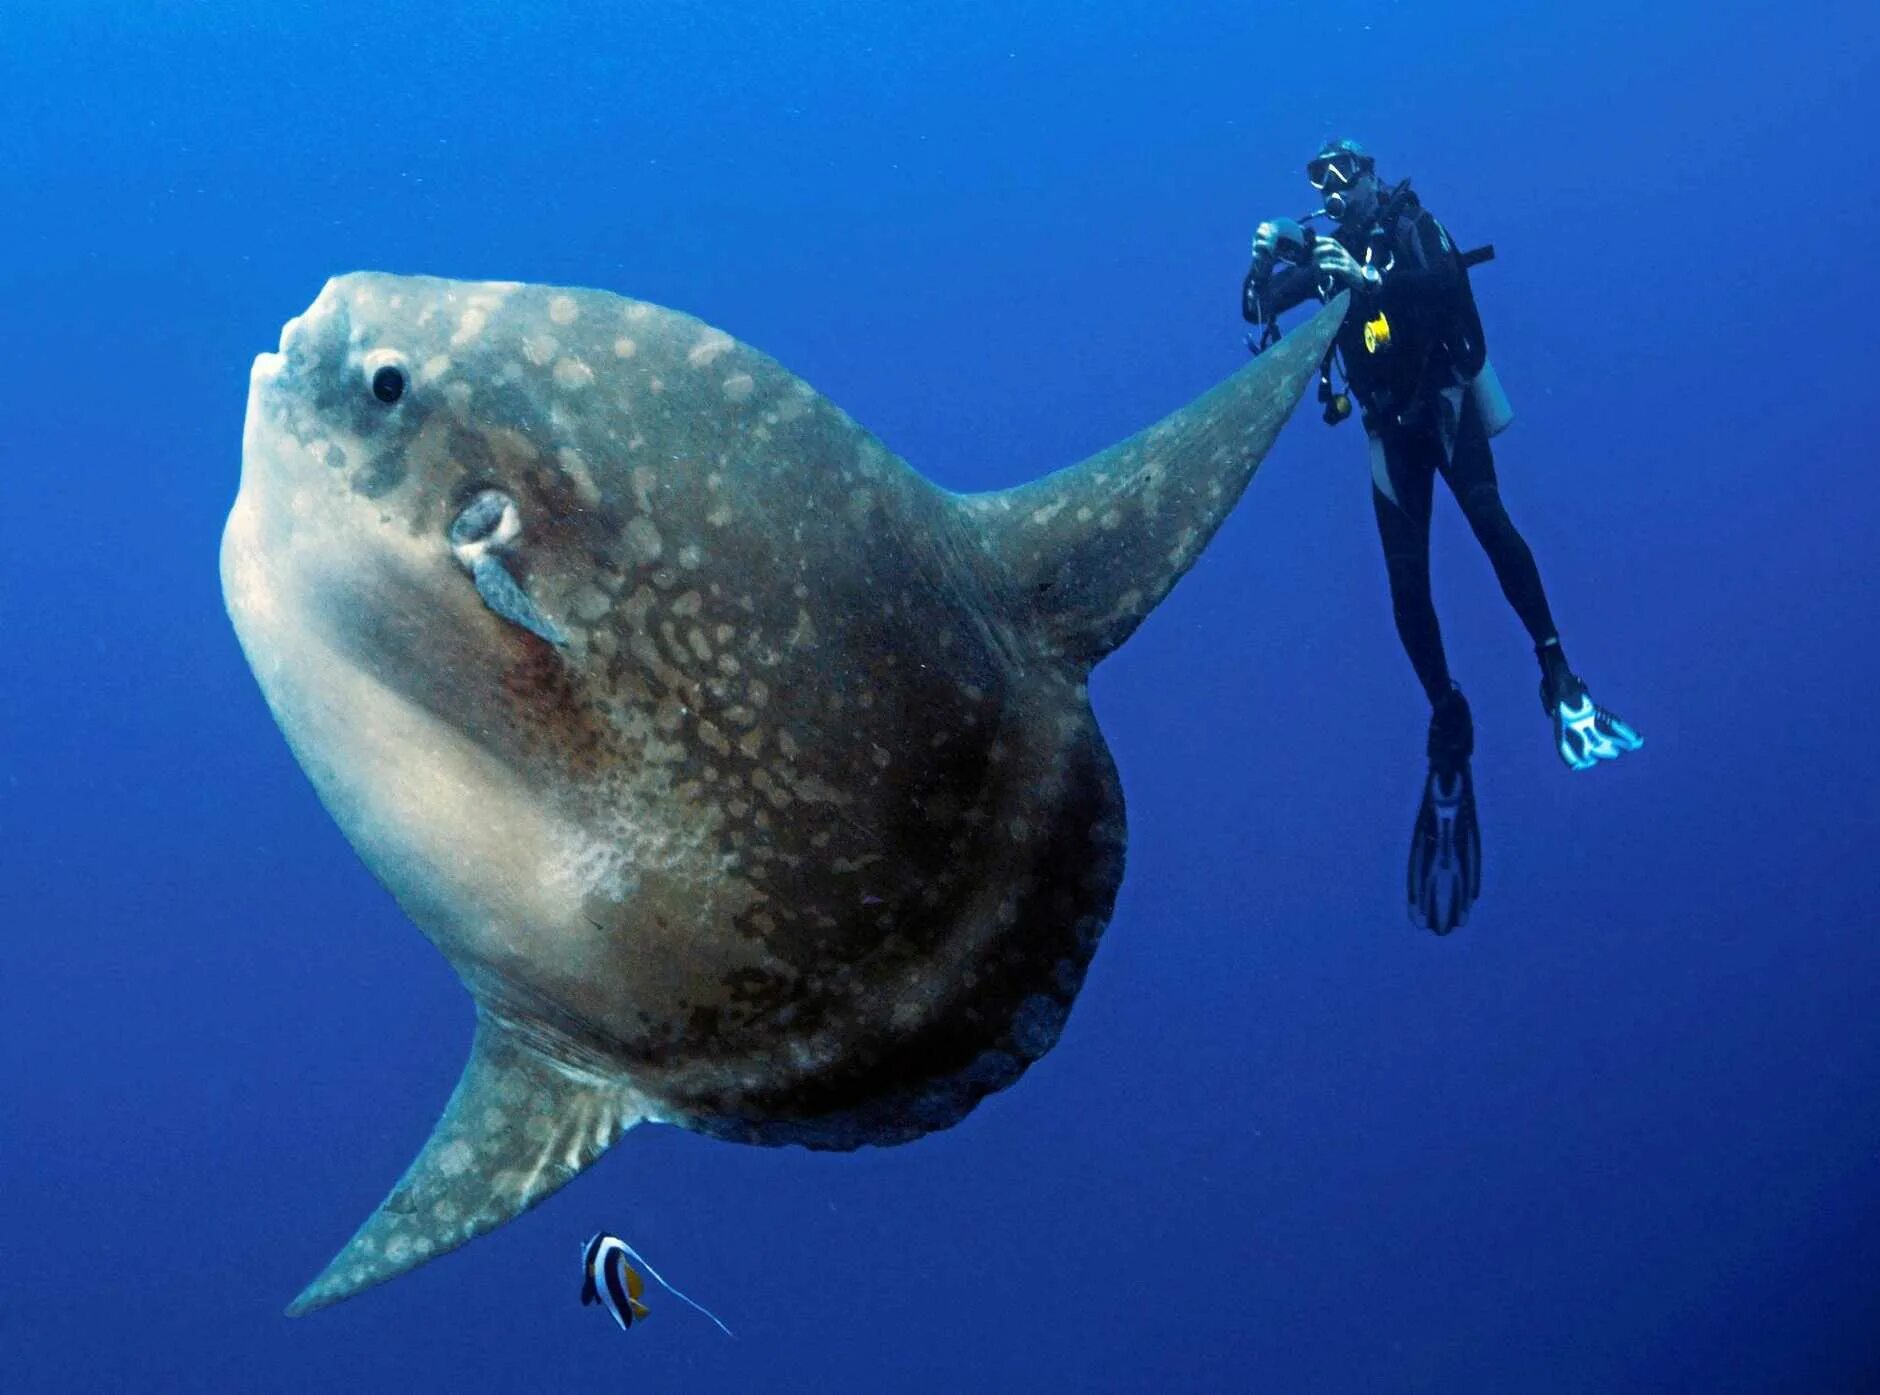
(1346, 177)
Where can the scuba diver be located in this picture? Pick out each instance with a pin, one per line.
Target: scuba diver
(1412, 354)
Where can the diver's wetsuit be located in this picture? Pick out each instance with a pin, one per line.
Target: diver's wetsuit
(1413, 401)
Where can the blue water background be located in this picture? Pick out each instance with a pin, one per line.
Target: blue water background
(1622, 1133)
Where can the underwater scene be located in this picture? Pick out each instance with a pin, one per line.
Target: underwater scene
(1026, 698)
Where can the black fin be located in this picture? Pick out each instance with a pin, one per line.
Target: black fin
(1445, 871)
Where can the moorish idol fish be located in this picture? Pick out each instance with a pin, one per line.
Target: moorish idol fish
(607, 1279)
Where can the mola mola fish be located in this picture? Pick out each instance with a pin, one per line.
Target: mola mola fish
(747, 779)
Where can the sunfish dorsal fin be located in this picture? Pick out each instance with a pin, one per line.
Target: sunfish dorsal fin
(520, 1124)
(1090, 550)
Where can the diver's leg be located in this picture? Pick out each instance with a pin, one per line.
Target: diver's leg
(1445, 867)
(1470, 473)
(1584, 732)
(1402, 479)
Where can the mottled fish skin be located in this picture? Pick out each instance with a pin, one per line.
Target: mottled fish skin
(801, 829)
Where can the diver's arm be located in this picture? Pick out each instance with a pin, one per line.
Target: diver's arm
(1267, 298)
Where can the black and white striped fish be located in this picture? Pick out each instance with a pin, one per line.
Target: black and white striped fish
(607, 1279)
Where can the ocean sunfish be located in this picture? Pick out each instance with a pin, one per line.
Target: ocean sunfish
(746, 778)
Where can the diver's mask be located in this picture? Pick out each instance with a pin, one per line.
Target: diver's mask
(1331, 173)
(1335, 175)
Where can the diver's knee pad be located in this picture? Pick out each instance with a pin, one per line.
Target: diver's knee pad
(1380, 468)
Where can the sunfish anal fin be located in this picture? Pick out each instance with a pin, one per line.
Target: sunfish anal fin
(519, 1125)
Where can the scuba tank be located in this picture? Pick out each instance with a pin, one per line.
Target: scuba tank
(1485, 390)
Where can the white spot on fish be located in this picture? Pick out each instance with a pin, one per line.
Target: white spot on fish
(625, 347)
(572, 373)
(715, 345)
(469, 326)
(562, 310)
(574, 465)
(644, 540)
(540, 349)
(434, 368)
(739, 387)
(591, 603)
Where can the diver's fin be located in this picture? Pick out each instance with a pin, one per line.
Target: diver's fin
(520, 1124)
(1089, 551)
(1445, 873)
(1584, 732)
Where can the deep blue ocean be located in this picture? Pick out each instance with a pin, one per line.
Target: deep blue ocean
(1620, 1133)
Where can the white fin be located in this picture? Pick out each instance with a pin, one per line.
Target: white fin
(675, 1292)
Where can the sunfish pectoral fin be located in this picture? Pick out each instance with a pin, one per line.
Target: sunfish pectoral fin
(501, 594)
(520, 1124)
(1089, 551)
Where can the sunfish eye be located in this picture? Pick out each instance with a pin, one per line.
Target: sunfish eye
(489, 520)
(388, 384)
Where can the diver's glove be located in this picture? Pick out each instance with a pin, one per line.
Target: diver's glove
(1265, 257)
(1334, 261)
(1445, 873)
(1584, 732)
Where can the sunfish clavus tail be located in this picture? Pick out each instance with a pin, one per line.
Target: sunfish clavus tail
(747, 779)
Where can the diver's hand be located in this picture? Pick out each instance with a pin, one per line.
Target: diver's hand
(1265, 241)
(1334, 261)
